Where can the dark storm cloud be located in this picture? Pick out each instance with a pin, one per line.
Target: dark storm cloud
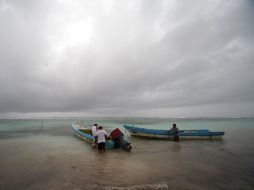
(154, 58)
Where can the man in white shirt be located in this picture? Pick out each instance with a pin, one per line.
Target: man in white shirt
(94, 129)
(101, 136)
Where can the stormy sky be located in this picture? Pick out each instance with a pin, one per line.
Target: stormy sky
(150, 58)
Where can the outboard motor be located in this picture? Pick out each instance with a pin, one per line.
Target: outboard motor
(118, 137)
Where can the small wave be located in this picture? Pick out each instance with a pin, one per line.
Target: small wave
(159, 186)
(7, 135)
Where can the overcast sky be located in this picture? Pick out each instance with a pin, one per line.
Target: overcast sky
(127, 58)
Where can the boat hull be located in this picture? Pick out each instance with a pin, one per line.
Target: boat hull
(168, 135)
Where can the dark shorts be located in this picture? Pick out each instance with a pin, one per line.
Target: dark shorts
(101, 146)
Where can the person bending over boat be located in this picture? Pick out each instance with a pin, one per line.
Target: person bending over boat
(101, 136)
(94, 129)
(174, 131)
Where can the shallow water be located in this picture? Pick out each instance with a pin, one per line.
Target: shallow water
(46, 155)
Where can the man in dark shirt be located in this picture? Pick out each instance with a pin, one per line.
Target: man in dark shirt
(174, 131)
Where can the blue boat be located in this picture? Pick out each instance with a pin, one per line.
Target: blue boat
(168, 134)
(85, 133)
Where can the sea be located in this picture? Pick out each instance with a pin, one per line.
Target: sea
(44, 154)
